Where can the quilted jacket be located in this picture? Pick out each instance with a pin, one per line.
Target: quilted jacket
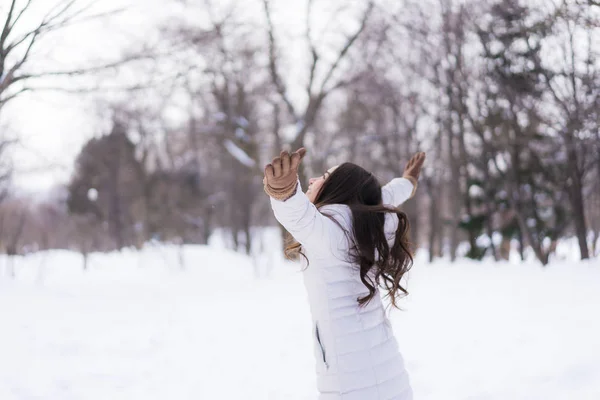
(357, 355)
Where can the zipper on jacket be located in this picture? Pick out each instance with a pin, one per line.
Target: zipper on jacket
(321, 346)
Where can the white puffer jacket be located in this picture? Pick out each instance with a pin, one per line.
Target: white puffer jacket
(356, 351)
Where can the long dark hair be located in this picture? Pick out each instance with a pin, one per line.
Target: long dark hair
(380, 264)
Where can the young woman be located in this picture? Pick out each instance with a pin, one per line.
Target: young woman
(354, 241)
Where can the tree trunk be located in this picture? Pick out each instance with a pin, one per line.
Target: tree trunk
(248, 239)
(575, 191)
(521, 244)
(181, 254)
(576, 198)
(206, 226)
(85, 256)
(433, 216)
(454, 192)
(490, 229)
(433, 227)
(410, 209)
(537, 247)
(235, 237)
(453, 231)
(580, 225)
(505, 248)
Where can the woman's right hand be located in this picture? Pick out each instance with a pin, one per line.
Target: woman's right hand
(281, 175)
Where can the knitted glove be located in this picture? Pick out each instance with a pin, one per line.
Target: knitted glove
(281, 175)
(413, 170)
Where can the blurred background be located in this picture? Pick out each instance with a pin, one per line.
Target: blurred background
(133, 136)
(125, 123)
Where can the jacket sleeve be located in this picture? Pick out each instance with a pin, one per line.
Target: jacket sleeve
(304, 222)
(396, 192)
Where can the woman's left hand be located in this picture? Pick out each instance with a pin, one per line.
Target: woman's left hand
(413, 168)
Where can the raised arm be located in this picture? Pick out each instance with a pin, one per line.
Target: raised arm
(398, 190)
(305, 223)
(292, 208)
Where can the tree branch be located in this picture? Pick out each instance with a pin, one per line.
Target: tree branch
(18, 17)
(313, 50)
(347, 47)
(6, 31)
(5, 100)
(58, 17)
(273, 63)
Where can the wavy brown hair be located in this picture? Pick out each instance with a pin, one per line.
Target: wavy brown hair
(379, 263)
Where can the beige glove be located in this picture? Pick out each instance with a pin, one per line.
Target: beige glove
(413, 170)
(281, 175)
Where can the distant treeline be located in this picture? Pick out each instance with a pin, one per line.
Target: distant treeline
(503, 96)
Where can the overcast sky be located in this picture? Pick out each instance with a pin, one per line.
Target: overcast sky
(52, 126)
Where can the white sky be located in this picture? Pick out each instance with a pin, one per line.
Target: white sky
(52, 126)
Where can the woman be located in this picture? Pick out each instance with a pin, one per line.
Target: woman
(354, 241)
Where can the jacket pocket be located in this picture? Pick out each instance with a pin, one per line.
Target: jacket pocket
(321, 346)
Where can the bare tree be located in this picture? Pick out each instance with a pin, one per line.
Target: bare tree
(6, 167)
(315, 92)
(19, 72)
(439, 74)
(223, 139)
(573, 86)
(13, 217)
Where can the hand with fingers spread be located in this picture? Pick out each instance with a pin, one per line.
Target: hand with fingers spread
(281, 175)
(413, 169)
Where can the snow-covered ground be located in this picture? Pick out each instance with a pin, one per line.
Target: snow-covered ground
(225, 326)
